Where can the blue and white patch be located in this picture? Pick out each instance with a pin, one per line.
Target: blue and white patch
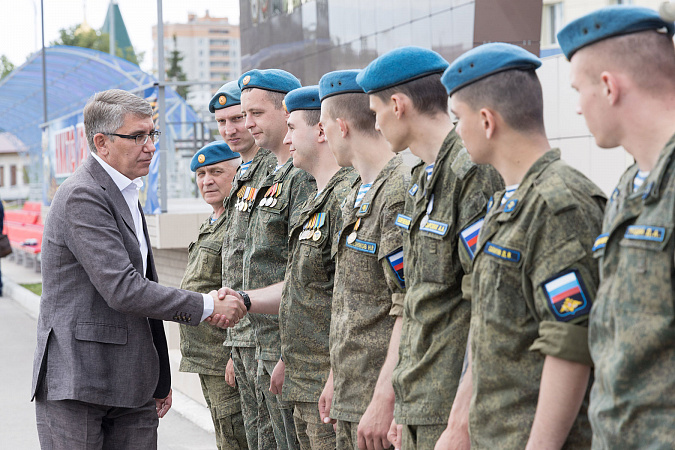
(395, 260)
(567, 296)
(363, 246)
(413, 190)
(403, 221)
(615, 194)
(364, 208)
(489, 205)
(510, 205)
(645, 233)
(469, 236)
(600, 242)
(502, 252)
(433, 226)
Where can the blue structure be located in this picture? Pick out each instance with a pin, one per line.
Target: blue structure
(73, 75)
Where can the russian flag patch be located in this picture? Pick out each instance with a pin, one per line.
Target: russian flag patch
(396, 262)
(567, 296)
(469, 236)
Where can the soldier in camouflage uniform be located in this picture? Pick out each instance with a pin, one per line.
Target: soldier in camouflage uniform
(448, 194)
(276, 203)
(369, 285)
(623, 66)
(303, 301)
(256, 164)
(202, 346)
(534, 278)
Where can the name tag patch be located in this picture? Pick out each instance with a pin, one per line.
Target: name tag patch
(502, 253)
(645, 233)
(403, 221)
(435, 227)
(363, 246)
(567, 296)
(396, 262)
(600, 242)
(413, 189)
(469, 236)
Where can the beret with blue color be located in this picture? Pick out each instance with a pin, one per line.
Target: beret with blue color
(302, 98)
(609, 22)
(212, 153)
(339, 82)
(400, 66)
(485, 60)
(275, 80)
(228, 95)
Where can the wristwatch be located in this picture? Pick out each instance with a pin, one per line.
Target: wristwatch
(246, 298)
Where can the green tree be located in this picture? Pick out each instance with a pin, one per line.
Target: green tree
(175, 70)
(6, 66)
(90, 38)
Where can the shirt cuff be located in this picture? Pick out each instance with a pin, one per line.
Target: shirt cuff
(563, 340)
(208, 306)
(397, 304)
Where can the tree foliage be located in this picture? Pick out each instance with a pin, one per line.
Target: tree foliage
(6, 66)
(175, 70)
(93, 39)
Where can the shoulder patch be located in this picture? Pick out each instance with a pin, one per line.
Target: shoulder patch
(462, 164)
(502, 252)
(469, 236)
(645, 233)
(413, 190)
(363, 246)
(403, 221)
(567, 296)
(395, 260)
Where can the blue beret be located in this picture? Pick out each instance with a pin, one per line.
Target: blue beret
(339, 82)
(609, 22)
(485, 60)
(228, 95)
(212, 153)
(400, 66)
(302, 98)
(275, 80)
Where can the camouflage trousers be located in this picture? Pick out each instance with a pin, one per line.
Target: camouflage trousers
(278, 412)
(245, 370)
(346, 435)
(421, 437)
(312, 433)
(225, 406)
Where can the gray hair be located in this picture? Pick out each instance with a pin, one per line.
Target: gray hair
(106, 110)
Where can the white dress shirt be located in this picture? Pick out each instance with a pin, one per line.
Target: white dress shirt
(130, 189)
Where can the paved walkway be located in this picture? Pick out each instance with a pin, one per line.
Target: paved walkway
(18, 310)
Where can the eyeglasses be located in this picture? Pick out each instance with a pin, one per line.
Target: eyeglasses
(140, 139)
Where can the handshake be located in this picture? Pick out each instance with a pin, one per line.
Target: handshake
(228, 308)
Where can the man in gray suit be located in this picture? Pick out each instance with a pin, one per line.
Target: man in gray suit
(101, 374)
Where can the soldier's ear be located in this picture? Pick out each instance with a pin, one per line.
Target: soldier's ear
(344, 127)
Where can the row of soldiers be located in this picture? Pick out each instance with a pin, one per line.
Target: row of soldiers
(478, 299)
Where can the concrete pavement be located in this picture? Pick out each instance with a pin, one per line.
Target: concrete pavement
(19, 308)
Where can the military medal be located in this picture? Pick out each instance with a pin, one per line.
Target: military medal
(316, 236)
(352, 236)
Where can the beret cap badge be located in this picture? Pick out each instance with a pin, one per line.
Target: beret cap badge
(222, 99)
(201, 158)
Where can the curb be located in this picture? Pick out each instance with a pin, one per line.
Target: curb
(191, 410)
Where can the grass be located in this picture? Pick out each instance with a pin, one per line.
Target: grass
(35, 288)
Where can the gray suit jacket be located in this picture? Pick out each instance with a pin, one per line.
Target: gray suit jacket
(95, 342)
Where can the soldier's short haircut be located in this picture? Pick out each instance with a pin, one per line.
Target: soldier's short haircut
(355, 109)
(105, 112)
(647, 57)
(277, 98)
(515, 94)
(428, 95)
(312, 116)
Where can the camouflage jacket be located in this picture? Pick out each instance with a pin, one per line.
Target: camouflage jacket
(238, 220)
(369, 291)
(632, 329)
(435, 316)
(278, 201)
(202, 346)
(304, 314)
(533, 281)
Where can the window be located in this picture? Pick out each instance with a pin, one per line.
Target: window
(219, 31)
(12, 175)
(219, 42)
(552, 23)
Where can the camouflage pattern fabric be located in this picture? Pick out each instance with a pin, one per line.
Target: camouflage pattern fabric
(313, 434)
(435, 315)
(534, 281)
(229, 425)
(368, 293)
(245, 372)
(305, 311)
(422, 437)
(632, 329)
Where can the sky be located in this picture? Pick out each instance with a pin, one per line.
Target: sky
(20, 25)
